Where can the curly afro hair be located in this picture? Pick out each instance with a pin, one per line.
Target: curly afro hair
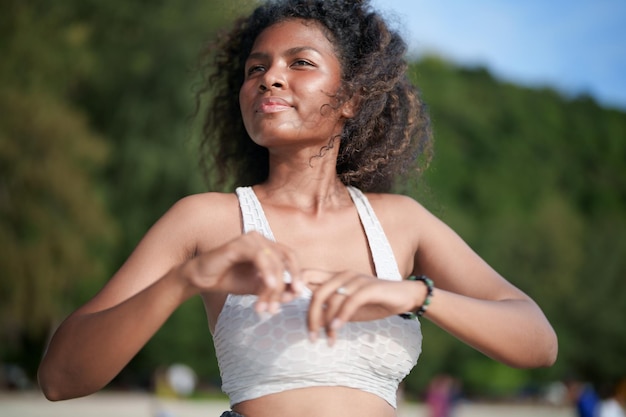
(390, 131)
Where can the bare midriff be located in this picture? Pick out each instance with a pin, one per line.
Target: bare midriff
(317, 402)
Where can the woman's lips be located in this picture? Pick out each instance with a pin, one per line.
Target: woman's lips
(272, 105)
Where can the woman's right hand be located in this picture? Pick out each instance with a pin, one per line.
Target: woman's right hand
(183, 254)
(248, 264)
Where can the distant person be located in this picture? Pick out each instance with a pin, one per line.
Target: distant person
(584, 398)
(441, 396)
(611, 404)
(309, 270)
(610, 407)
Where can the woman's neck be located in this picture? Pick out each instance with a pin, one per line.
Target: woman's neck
(309, 183)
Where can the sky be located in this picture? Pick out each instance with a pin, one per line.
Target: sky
(576, 46)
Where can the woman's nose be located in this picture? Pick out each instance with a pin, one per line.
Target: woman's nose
(273, 78)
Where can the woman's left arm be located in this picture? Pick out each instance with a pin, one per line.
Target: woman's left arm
(474, 303)
(470, 299)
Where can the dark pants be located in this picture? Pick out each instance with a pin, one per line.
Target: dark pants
(230, 414)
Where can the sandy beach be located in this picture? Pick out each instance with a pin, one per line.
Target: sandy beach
(114, 404)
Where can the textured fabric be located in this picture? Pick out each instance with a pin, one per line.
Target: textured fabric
(261, 354)
(382, 254)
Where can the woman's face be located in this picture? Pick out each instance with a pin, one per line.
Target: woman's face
(292, 73)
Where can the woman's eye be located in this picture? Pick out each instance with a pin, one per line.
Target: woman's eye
(254, 68)
(302, 63)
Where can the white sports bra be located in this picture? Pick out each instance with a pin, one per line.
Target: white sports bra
(261, 355)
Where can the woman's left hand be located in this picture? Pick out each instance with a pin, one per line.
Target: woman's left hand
(340, 297)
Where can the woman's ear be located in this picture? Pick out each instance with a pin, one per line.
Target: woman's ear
(350, 108)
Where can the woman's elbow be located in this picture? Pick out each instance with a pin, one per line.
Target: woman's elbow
(57, 386)
(543, 345)
(49, 389)
(51, 394)
(51, 384)
(543, 353)
(549, 348)
(551, 351)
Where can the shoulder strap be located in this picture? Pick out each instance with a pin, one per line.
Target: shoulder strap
(382, 254)
(254, 218)
(252, 213)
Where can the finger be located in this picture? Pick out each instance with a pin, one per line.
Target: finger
(315, 277)
(336, 304)
(372, 301)
(346, 310)
(291, 283)
(270, 264)
(333, 305)
(292, 275)
(320, 301)
(254, 248)
(336, 299)
(315, 316)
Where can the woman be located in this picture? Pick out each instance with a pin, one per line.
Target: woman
(301, 272)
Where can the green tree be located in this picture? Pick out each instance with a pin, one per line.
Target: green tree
(96, 100)
(535, 183)
(55, 232)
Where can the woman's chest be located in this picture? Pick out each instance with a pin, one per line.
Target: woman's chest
(342, 243)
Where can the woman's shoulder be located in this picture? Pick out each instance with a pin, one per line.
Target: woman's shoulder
(202, 202)
(206, 213)
(401, 212)
(393, 203)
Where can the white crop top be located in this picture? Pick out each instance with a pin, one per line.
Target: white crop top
(260, 355)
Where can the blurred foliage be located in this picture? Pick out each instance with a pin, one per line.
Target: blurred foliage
(536, 184)
(97, 141)
(55, 230)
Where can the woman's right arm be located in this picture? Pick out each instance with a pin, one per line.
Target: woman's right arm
(187, 252)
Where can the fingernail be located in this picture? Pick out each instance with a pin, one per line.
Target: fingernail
(261, 306)
(312, 336)
(287, 297)
(299, 286)
(336, 323)
(271, 281)
(274, 307)
(264, 315)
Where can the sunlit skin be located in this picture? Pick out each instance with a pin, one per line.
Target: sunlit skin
(197, 249)
(291, 76)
